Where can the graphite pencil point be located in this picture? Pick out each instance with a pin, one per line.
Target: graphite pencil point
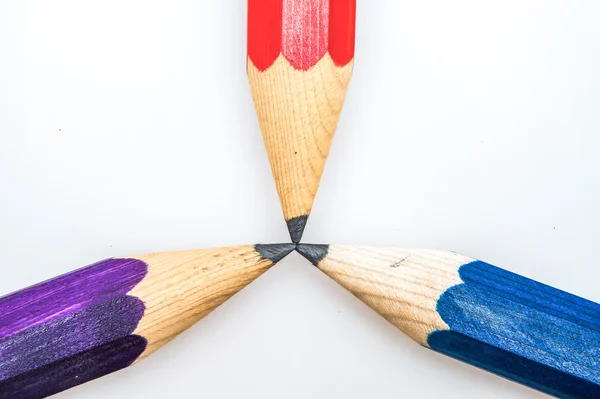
(274, 252)
(314, 253)
(296, 228)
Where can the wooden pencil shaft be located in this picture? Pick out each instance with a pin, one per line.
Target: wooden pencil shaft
(109, 315)
(520, 329)
(300, 59)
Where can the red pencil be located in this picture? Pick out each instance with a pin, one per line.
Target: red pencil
(300, 59)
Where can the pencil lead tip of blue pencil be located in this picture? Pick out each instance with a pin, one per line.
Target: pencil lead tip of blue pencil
(313, 252)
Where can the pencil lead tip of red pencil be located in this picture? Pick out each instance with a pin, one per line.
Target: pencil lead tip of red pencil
(296, 228)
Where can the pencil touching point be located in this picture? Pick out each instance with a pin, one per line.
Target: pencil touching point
(296, 228)
(313, 252)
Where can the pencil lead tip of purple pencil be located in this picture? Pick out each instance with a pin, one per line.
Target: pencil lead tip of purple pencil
(274, 252)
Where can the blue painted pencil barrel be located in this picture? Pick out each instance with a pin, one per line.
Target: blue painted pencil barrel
(523, 330)
(488, 317)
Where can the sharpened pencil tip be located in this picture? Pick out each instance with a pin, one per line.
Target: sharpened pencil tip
(296, 228)
(313, 252)
(274, 252)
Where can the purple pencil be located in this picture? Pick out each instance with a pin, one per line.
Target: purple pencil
(114, 313)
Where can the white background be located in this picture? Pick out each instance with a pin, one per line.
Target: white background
(128, 127)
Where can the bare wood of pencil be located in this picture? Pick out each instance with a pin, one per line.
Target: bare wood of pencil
(488, 317)
(114, 313)
(300, 59)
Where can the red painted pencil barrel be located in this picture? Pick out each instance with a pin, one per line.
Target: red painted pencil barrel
(303, 31)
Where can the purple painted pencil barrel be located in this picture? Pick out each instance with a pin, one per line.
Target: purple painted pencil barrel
(71, 329)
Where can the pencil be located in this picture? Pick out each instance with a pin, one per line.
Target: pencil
(114, 313)
(300, 59)
(480, 314)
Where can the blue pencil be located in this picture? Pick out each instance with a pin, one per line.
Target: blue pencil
(480, 314)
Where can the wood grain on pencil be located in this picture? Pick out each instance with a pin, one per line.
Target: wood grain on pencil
(300, 59)
(475, 312)
(109, 315)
